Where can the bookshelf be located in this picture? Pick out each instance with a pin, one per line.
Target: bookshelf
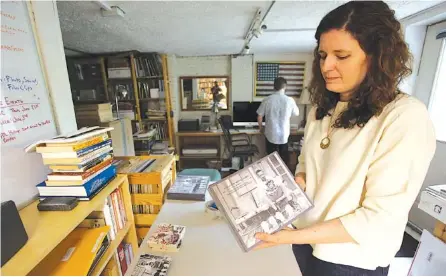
(88, 80)
(47, 229)
(148, 72)
(157, 181)
(133, 74)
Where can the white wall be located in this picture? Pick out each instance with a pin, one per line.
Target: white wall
(414, 36)
(51, 46)
(242, 78)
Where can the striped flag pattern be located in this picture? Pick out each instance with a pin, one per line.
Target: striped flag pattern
(267, 72)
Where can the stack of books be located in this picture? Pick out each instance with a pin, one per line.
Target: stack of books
(81, 163)
(156, 114)
(149, 65)
(111, 214)
(93, 114)
(160, 148)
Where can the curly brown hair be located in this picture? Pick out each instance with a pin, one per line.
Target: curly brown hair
(374, 26)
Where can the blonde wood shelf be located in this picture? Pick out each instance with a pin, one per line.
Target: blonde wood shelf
(162, 174)
(145, 219)
(47, 229)
(111, 249)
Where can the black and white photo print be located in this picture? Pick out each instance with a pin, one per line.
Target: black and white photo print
(262, 197)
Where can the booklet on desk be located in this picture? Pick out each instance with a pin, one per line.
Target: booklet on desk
(189, 188)
(166, 238)
(262, 197)
(152, 265)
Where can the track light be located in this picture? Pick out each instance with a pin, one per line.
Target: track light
(246, 50)
(259, 31)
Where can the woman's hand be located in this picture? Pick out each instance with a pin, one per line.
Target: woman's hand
(331, 231)
(300, 179)
(284, 236)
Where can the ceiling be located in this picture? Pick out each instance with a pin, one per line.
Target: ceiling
(199, 28)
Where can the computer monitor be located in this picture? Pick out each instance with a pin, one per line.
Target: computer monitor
(245, 113)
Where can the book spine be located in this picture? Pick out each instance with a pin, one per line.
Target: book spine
(118, 264)
(121, 206)
(90, 142)
(127, 254)
(130, 252)
(101, 179)
(112, 213)
(92, 148)
(116, 210)
(121, 257)
(109, 220)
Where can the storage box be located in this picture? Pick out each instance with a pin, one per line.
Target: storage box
(430, 258)
(434, 205)
(114, 73)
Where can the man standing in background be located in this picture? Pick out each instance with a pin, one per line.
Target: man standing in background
(277, 109)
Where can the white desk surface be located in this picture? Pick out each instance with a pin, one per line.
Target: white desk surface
(209, 248)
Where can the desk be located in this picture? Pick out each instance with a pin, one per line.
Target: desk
(220, 133)
(209, 248)
(215, 140)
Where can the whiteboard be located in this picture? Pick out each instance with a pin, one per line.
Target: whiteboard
(25, 110)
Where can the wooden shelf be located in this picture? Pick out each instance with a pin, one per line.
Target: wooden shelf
(200, 157)
(120, 79)
(149, 77)
(47, 229)
(152, 99)
(148, 119)
(145, 219)
(111, 249)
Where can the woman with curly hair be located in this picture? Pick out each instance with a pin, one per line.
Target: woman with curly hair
(367, 146)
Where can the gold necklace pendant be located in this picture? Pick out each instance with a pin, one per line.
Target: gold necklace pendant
(325, 142)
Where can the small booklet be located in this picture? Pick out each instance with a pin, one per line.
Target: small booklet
(262, 197)
(189, 188)
(151, 265)
(167, 238)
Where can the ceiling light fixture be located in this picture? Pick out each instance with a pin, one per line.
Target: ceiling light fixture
(245, 50)
(103, 5)
(259, 31)
(115, 11)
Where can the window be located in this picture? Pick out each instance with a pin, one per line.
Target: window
(437, 101)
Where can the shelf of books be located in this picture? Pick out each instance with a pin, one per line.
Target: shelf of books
(47, 231)
(149, 178)
(83, 216)
(140, 81)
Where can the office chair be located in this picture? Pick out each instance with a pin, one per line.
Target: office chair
(238, 145)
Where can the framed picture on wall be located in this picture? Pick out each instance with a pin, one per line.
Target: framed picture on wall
(266, 72)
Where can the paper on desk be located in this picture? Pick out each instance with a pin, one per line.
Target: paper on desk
(430, 258)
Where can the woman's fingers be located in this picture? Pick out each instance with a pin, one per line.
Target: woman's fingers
(301, 182)
(264, 245)
(284, 236)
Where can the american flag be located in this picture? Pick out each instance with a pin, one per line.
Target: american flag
(267, 72)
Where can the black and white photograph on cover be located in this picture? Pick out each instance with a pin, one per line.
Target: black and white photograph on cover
(262, 197)
(151, 265)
